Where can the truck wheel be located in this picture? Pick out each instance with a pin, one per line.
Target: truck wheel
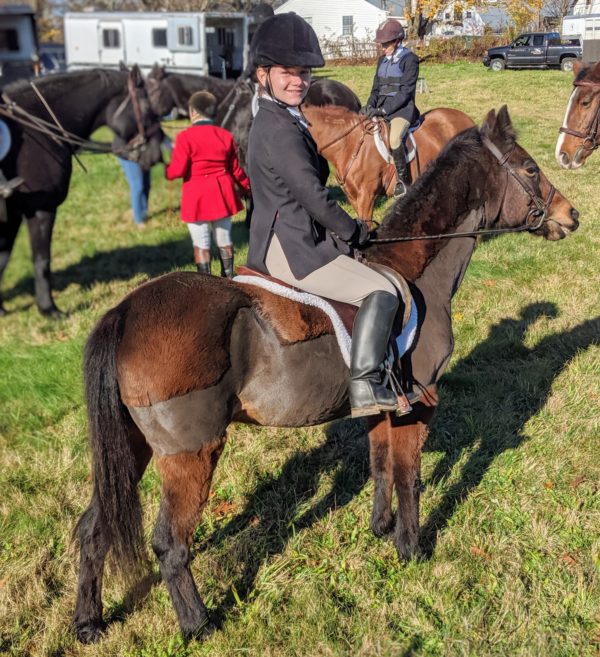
(497, 64)
(567, 64)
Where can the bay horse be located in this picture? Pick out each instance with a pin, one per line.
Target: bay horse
(216, 351)
(347, 141)
(41, 152)
(580, 132)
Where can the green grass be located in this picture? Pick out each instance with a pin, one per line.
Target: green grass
(510, 509)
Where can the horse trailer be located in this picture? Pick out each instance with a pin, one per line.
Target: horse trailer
(586, 27)
(18, 43)
(203, 43)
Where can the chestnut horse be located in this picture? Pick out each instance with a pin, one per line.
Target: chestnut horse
(580, 132)
(184, 355)
(346, 140)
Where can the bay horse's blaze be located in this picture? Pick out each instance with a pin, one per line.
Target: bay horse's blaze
(360, 169)
(580, 132)
(181, 357)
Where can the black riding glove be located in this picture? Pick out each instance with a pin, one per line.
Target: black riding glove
(361, 235)
(375, 111)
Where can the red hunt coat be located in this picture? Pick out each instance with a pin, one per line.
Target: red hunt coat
(205, 157)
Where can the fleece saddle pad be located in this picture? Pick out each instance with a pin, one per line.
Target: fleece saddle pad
(340, 325)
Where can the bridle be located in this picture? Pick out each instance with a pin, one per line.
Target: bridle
(236, 90)
(536, 217)
(590, 138)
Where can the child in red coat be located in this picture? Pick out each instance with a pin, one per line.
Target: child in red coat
(205, 157)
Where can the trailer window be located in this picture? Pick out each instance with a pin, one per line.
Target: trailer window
(185, 35)
(225, 37)
(9, 40)
(111, 38)
(159, 37)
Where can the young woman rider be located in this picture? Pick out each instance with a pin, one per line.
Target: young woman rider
(297, 233)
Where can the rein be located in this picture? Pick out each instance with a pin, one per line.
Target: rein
(236, 89)
(540, 211)
(593, 128)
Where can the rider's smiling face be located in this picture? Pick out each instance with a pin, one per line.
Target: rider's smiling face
(288, 83)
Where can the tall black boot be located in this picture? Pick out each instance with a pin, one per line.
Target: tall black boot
(370, 335)
(226, 256)
(399, 155)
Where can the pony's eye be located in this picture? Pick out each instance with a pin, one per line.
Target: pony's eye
(586, 103)
(532, 170)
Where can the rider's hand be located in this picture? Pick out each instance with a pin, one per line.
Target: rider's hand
(362, 234)
(375, 111)
(364, 110)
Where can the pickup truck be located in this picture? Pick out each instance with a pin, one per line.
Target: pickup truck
(535, 50)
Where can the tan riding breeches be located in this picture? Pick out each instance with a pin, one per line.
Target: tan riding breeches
(343, 279)
(398, 128)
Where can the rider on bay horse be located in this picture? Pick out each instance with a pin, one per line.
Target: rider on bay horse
(298, 234)
(393, 93)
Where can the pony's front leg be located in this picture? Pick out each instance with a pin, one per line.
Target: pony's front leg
(382, 519)
(186, 479)
(40, 227)
(8, 232)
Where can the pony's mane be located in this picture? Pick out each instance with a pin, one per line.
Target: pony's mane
(590, 73)
(334, 114)
(404, 214)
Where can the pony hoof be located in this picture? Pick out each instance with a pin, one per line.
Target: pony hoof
(382, 526)
(89, 633)
(408, 552)
(200, 632)
(3, 311)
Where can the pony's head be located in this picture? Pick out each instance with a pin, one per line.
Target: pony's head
(580, 131)
(138, 134)
(526, 195)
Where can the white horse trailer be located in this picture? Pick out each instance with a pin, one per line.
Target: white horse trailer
(18, 43)
(586, 27)
(204, 43)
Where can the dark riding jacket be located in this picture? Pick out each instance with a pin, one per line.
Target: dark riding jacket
(395, 85)
(288, 178)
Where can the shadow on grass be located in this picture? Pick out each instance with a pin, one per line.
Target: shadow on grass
(488, 398)
(126, 262)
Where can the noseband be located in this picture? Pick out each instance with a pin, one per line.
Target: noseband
(590, 138)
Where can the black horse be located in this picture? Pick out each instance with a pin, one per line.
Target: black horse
(169, 91)
(47, 126)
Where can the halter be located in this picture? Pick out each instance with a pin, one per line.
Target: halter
(539, 211)
(593, 129)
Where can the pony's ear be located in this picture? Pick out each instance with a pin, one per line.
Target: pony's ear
(505, 126)
(489, 122)
(137, 76)
(158, 71)
(577, 66)
(498, 128)
(123, 66)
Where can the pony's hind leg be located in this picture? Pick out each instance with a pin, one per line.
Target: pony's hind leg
(94, 543)
(186, 479)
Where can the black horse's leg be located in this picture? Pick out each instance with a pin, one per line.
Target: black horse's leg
(8, 233)
(94, 543)
(382, 519)
(40, 227)
(186, 479)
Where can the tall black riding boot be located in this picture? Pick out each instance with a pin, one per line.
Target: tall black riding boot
(226, 256)
(370, 335)
(399, 155)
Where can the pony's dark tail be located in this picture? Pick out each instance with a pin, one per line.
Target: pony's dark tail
(114, 469)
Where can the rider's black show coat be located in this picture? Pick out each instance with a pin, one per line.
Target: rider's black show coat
(288, 177)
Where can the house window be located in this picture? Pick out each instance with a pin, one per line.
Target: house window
(159, 37)
(469, 14)
(185, 35)
(111, 38)
(447, 16)
(9, 40)
(347, 25)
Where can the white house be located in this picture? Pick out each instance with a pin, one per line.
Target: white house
(338, 21)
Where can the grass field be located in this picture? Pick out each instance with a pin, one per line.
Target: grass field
(284, 557)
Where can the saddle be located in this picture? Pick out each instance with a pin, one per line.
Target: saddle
(381, 135)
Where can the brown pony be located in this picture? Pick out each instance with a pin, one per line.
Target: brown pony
(182, 356)
(346, 140)
(580, 132)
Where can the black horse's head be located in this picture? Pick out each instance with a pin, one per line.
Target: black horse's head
(138, 135)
